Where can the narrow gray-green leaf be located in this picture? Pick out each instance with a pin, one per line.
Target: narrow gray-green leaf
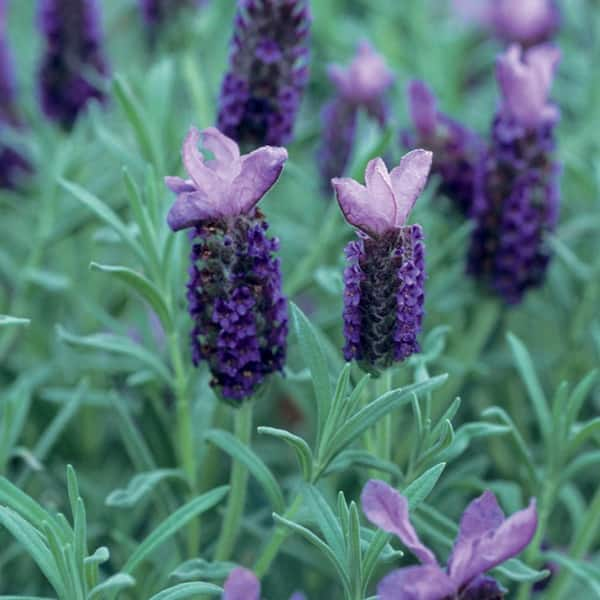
(113, 584)
(141, 285)
(303, 451)
(139, 486)
(188, 590)
(173, 524)
(231, 445)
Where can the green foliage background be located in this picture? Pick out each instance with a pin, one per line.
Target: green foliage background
(91, 381)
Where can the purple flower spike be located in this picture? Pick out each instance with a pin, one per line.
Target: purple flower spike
(527, 22)
(73, 61)
(525, 83)
(385, 273)
(268, 71)
(456, 149)
(12, 164)
(234, 291)
(516, 197)
(485, 540)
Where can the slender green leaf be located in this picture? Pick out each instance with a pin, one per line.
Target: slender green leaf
(139, 486)
(188, 590)
(314, 355)
(173, 524)
(198, 568)
(113, 584)
(303, 452)
(421, 487)
(141, 285)
(229, 444)
(6, 320)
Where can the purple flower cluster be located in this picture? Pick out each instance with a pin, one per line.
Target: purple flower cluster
(235, 299)
(268, 71)
(516, 193)
(360, 86)
(383, 297)
(12, 164)
(486, 539)
(385, 273)
(234, 292)
(456, 149)
(73, 64)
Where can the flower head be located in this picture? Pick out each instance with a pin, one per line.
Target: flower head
(227, 185)
(485, 540)
(388, 197)
(365, 79)
(527, 22)
(525, 80)
(243, 584)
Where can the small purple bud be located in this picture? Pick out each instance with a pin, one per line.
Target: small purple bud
(456, 149)
(526, 22)
(261, 92)
(73, 63)
(366, 79)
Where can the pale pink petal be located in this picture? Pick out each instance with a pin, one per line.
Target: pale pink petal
(380, 190)
(259, 172)
(241, 584)
(226, 151)
(485, 548)
(204, 177)
(416, 583)
(190, 208)
(355, 202)
(543, 60)
(178, 185)
(408, 180)
(340, 77)
(386, 508)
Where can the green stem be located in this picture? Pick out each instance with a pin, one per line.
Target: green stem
(238, 483)
(384, 427)
(270, 551)
(532, 554)
(587, 534)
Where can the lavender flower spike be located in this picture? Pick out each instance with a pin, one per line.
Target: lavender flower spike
(360, 86)
(268, 71)
(243, 584)
(383, 298)
(527, 22)
(485, 540)
(12, 164)
(456, 149)
(234, 290)
(73, 64)
(516, 186)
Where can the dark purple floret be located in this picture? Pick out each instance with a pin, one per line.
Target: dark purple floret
(339, 128)
(73, 65)
(384, 296)
(516, 205)
(268, 71)
(236, 302)
(13, 164)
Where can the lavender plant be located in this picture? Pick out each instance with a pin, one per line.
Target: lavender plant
(124, 474)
